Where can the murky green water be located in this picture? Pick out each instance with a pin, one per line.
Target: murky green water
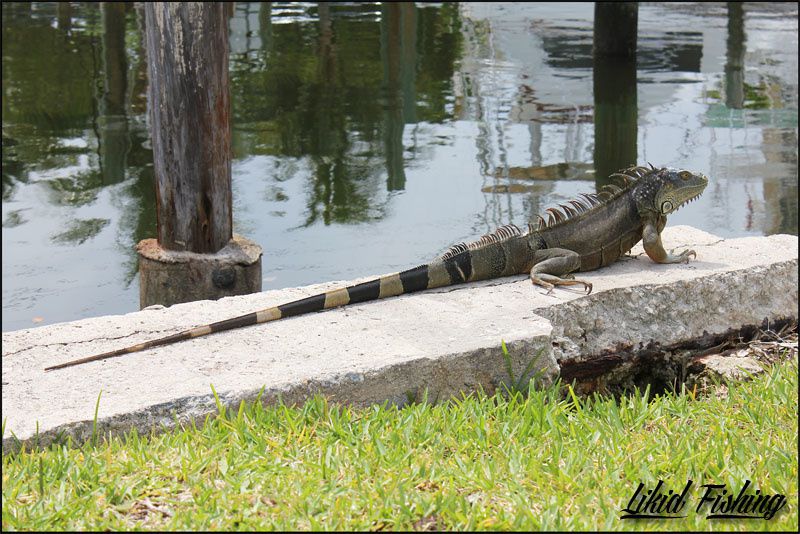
(369, 138)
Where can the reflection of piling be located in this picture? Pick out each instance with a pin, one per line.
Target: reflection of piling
(734, 63)
(615, 98)
(265, 23)
(64, 16)
(196, 255)
(112, 120)
(408, 12)
(397, 22)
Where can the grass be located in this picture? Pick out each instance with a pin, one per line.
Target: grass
(543, 460)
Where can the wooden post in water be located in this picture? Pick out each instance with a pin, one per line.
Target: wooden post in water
(614, 84)
(196, 255)
(615, 29)
(187, 45)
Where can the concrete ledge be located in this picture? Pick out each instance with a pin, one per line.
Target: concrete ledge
(446, 341)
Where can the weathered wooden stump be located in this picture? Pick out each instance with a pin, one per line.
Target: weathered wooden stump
(196, 256)
(169, 277)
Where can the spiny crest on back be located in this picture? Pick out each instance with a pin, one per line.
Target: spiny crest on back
(501, 234)
(555, 216)
(589, 200)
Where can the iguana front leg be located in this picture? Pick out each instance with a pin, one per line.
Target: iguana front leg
(551, 264)
(651, 238)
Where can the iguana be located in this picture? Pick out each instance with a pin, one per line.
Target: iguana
(586, 234)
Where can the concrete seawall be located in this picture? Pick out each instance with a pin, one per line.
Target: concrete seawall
(444, 341)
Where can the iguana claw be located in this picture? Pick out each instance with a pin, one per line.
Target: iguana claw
(683, 257)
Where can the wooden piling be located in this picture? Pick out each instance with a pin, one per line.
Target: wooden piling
(196, 256)
(614, 85)
(615, 29)
(187, 44)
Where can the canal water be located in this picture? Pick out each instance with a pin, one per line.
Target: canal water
(368, 138)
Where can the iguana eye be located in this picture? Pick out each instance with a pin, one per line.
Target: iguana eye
(685, 175)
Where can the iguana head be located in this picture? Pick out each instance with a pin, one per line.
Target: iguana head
(665, 190)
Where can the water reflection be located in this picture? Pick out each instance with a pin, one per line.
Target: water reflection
(64, 16)
(734, 64)
(370, 136)
(38, 116)
(398, 36)
(340, 100)
(112, 119)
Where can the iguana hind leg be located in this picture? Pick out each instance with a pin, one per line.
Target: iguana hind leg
(552, 265)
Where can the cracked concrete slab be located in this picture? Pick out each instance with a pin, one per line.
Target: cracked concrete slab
(445, 341)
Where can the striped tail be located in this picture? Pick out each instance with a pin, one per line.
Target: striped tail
(415, 279)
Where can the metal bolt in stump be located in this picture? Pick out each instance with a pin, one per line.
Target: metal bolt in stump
(196, 255)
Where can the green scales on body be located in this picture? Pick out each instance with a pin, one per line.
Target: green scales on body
(589, 233)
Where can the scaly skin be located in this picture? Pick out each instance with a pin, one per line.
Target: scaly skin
(588, 234)
(603, 234)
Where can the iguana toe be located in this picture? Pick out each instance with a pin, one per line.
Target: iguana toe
(683, 257)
